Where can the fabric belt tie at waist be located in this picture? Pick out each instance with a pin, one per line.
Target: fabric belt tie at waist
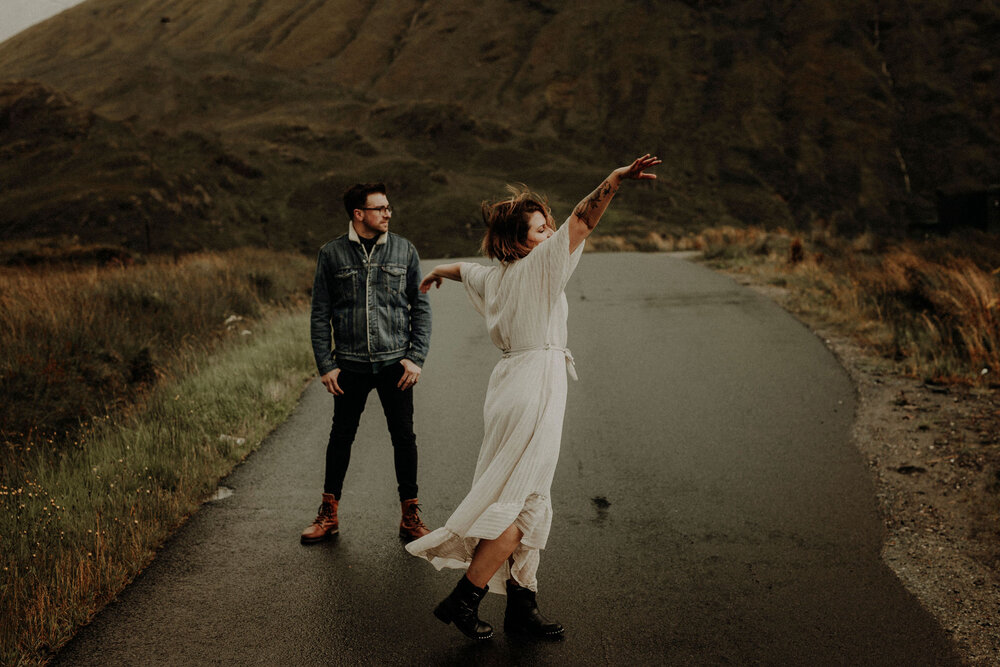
(570, 364)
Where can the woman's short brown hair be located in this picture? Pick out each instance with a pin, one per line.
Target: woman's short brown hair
(506, 221)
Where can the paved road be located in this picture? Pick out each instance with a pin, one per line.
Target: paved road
(709, 509)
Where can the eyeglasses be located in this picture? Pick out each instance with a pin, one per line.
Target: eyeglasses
(381, 209)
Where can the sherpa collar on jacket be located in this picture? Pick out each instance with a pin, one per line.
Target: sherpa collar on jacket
(352, 234)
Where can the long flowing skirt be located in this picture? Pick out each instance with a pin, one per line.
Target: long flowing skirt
(523, 416)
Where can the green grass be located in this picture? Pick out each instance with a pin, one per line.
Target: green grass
(78, 524)
(129, 389)
(80, 342)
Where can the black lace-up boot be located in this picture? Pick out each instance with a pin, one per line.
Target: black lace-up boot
(522, 614)
(462, 609)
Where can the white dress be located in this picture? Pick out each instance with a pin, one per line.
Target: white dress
(525, 310)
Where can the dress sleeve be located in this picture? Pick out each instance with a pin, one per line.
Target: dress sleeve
(474, 279)
(554, 261)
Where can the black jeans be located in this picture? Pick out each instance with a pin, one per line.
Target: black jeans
(398, 408)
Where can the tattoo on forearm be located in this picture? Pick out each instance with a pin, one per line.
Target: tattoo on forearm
(591, 208)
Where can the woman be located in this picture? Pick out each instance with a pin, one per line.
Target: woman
(498, 529)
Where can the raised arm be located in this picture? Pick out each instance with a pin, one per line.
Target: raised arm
(589, 211)
(439, 272)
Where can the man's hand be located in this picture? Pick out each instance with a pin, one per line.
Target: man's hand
(411, 373)
(330, 382)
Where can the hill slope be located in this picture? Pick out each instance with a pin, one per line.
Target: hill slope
(846, 113)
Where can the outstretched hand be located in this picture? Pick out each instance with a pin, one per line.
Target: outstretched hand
(637, 170)
(430, 279)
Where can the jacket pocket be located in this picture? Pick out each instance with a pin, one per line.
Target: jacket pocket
(345, 286)
(393, 278)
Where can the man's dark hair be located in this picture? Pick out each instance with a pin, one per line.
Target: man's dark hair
(356, 196)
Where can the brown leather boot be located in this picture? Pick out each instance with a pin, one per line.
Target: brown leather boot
(326, 525)
(411, 527)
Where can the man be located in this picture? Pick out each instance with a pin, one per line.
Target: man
(366, 293)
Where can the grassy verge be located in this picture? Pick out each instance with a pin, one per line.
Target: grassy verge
(129, 386)
(79, 524)
(81, 342)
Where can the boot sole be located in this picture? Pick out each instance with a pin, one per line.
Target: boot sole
(407, 537)
(446, 619)
(317, 540)
(520, 630)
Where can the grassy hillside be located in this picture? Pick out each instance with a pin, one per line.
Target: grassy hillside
(80, 343)
(250, 118)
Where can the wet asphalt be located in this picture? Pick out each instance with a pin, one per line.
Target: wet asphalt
(709, 509)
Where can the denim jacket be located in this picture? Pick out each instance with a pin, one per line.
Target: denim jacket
(371, 306)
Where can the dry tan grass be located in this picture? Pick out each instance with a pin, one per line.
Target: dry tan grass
(932, 307)
(112, 416)
(76, 342)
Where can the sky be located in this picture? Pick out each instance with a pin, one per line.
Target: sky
(16, 15)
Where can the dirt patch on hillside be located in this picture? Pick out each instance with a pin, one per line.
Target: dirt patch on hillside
(934, 456)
